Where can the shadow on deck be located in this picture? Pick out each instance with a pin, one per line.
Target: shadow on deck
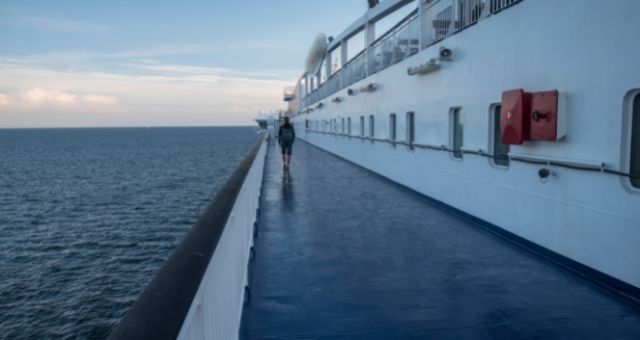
(345, 254)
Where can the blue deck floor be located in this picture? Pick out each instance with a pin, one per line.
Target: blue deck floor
(345, 254)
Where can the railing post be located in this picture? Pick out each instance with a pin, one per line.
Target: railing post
(369, 38)
(453, 17)
(344, 56)
(421, 32)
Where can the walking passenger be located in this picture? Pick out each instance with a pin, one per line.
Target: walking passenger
(286, 136)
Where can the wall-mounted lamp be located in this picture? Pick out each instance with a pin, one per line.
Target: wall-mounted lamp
(369, 88)
(351, 92)
(428, 67)
(445, 54)
(320, 105)
(336, 100)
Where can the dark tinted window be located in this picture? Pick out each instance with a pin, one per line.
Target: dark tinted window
(457, 122)
(635, 143)
(392, 126)
(500, 151)
(371, 127)
(411, 128)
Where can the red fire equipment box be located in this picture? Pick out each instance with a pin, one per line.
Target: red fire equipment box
(544, 116)
(515, 116)
(532, 116)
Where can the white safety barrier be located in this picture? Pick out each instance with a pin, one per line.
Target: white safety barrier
(217, 307)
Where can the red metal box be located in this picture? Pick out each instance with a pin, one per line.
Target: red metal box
(515, 116)
(544, 116)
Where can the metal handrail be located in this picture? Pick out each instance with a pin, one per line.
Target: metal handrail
(446, 16)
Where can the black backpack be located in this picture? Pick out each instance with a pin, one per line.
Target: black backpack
(287, 134)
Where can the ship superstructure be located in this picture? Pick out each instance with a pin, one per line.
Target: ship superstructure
(524, 114)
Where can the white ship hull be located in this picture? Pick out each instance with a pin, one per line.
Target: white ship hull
(588, 51)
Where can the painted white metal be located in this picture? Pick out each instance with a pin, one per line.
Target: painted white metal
(216, 310)
(584, 49)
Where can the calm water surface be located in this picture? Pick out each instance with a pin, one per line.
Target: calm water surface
(87, 216)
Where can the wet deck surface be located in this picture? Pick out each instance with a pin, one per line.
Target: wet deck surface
(344, 254)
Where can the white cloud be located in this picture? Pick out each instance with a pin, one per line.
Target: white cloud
(39, 95)
(173, 69)
(47, 97)
(95, 98)
(58, 25)
(4, 100)
(142, 55)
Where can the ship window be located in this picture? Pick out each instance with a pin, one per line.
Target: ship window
(362, 126)
(323, 72)
(500, 151)
(635, 143)
(349, 125)
(457, 131)
(384, 25)
(392, 127)
(411, 128)
(355, 45)
(342, 126)
(334, 57)
(371, 127)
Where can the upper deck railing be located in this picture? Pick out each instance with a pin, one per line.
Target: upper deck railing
(398, 43)
(431, 22)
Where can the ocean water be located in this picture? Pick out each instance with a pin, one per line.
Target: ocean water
(87, 217)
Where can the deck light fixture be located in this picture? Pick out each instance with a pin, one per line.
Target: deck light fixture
(336, 99)
(369, 88)
(320, 105)
(428, 67)
(351, 92)
(445, 54)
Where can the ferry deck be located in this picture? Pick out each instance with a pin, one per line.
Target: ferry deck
(342, 253)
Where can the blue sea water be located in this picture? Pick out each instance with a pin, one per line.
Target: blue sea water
(87, 216)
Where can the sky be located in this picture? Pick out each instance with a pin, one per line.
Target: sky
(72, 63)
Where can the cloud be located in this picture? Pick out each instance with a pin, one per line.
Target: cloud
(39, 95)
(39, 98)
(141, 55)
(95, 98)
(174, 69)
(68, 26)
(46, 97)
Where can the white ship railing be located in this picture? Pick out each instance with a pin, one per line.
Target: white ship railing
(431, 22)
(398, 43)
(199, 291)
(355, 70)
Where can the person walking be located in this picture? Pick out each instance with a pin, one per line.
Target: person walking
(286, 137)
